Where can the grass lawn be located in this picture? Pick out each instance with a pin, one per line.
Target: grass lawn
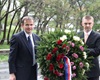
(4, 46)
(3, 57)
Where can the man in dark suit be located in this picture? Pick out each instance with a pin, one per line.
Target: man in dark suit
(22, 62)
(92, 40)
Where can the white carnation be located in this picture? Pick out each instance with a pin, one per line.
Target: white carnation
(87, 64)
(83, 71)
(82, 42)
(67, 31)
(76, 38)
(84, 55)
(63, 37)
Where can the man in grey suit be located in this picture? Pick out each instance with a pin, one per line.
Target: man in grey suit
(92, 40)
(22, 63)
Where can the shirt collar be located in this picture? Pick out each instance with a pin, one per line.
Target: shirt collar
(88, 32)
(28, 35)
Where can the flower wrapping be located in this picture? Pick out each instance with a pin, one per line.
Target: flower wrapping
(67, 68)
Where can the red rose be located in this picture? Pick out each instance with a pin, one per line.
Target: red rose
(62, 55)
(59, 56)
(51, 67)
(59, 42)
(56, 72)
(46, 78)
(54, 50)
(64, 46)
(61, 65)
(49, 56)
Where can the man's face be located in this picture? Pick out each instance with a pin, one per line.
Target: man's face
(28, 26)
(87, 24)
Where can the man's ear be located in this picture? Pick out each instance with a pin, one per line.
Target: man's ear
(22, 24)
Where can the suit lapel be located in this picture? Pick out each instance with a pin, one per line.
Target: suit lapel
(82, 36)
(34, 40)
(35, 43)
(24, 39)
(90, 37)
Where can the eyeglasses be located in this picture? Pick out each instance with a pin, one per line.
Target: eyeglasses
(87, 23)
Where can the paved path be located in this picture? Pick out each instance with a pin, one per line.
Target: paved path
(4, 72)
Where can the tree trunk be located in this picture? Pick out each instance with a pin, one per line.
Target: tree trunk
(5, 23)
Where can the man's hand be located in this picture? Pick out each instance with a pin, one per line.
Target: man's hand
(12, 77)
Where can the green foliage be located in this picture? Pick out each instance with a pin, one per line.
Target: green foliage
(96, 27)
(63, 43)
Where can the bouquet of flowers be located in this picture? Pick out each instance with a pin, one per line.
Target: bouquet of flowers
(52, 49)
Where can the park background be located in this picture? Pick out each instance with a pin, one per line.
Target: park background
(49, 15)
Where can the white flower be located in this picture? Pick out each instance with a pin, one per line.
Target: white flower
(76, 38)
(84, 55)
(63, 37)
(87, 64)
(82, 42)
(83, 71)
(67, 31)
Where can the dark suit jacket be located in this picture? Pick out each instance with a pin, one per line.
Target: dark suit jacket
(20, 57)
(93, 43)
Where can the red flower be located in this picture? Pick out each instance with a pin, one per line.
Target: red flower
(51, 67)
(59, 42)
(62, 55)
(61, 65)
(54, 50)
(46, 78)
(49, 56)
(56, 72)
(59, 56)
(64, 46)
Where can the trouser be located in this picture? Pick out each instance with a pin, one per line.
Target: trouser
(26, 73)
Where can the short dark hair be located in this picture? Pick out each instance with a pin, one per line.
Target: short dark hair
(88, 17)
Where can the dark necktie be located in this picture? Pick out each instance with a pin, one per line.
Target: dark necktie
(30, 43)
(32, 49)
